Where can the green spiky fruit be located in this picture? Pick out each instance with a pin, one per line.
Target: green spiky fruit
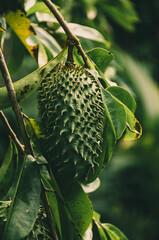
(73, 119)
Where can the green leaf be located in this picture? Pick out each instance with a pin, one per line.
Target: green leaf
(48, 41)
(100, 57)
(78, 205)
(134, 129)
(74, 207)
(25, 203)
(52, 200)
(115, 113)
(113, 232)
(39, 7)
(109, 143)
(98, 232)
(8, 169)
(84, 32)
(17, 54)
(124, 96)
(21, 25)
(6, 162)
(33, 128)
(42, 55)
(25, 86)
(91, 187)
(122, 12)
(45, 17)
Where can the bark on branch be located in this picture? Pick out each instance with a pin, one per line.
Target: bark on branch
(67, 30)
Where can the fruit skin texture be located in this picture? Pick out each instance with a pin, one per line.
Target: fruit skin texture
(73, 118)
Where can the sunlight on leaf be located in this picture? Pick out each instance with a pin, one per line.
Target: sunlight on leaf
(21, 25)
(45, 17)
(39, 7)
(134, 129)
(2, 29)
(33, 128)
(91, 187)
(49, 42)
(113, 232)
(85, 32)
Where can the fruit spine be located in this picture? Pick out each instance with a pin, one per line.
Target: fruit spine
(72, 117)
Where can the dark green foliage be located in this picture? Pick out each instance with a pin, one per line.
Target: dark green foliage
(9, 5)
(72, 116)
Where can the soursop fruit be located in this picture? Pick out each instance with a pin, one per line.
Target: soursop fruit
(73, 120)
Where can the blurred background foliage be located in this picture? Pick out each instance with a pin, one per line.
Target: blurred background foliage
(129, 191)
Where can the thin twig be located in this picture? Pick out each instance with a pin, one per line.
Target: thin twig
(11, 132)
(14, 103)
(67, 30)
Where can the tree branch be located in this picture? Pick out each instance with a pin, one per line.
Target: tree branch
(14, 103)
(67, 30)
(11, 132)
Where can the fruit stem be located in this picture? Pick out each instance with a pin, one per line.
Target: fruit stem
(70, 58)
(67, 30)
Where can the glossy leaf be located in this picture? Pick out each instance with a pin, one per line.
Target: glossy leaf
(113, 232)
(78, 205)
(25, 86)
(100, 57)
(21, 25)
(46, 17)
(124, 96)
(25, 203)
(42, 55)
(91, 187)
(74, 207)
(8, 169)
(134, 129)
(48, 41)
(115, 113)
(98, 232)
(88, 234)
(38, 7)
(84, 32)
